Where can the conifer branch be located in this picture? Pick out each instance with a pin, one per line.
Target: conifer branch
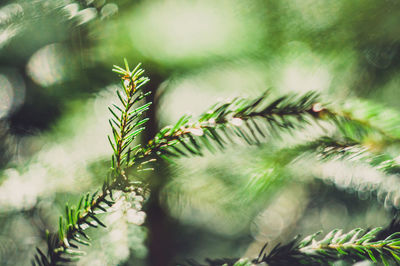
(64, 246)
(330, 148)
(375, 245)
(250, 121)
(327, 149)
(350, 150)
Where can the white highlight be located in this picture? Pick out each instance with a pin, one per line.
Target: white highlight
(47, 66)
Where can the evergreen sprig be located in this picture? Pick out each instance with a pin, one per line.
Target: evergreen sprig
(248, 120)
(353, 246)
(329, 148)
(126, 124)
(255, 120)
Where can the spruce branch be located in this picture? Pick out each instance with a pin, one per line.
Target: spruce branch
(383, 183)
(329, 148)
(126, 125)
(253, 121)
(356, 245)
(249, 120)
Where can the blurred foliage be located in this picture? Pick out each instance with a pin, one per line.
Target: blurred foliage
(56, 85)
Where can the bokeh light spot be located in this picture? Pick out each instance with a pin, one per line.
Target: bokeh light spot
(109, 10)
(86, 15)
(48, 65)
